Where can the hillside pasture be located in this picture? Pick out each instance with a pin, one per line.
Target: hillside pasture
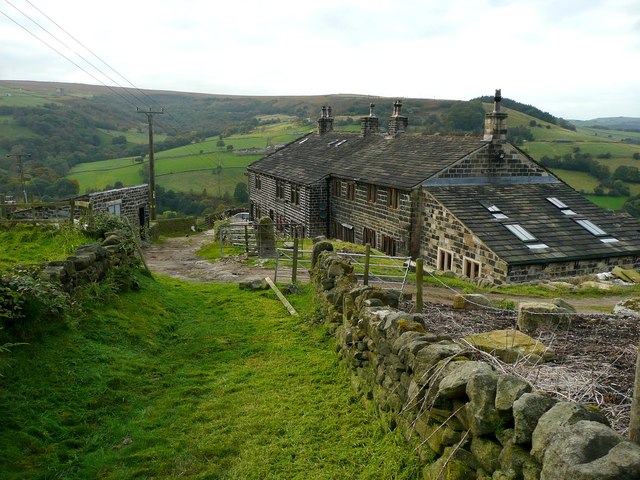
(191, 168)
(605, 201)
(580, 181)
(190, 380)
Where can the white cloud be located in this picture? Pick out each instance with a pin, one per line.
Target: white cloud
(574, 58)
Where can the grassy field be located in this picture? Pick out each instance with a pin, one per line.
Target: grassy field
(26, 244)
(192, 168)
(186, 380)
(611, 203)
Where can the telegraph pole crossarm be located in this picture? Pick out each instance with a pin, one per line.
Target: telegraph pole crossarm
(152, 174)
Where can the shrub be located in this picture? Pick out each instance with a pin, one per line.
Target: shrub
(25, 297)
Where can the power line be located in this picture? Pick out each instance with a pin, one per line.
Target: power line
(178, 123)
(95, 55)
(65, 57)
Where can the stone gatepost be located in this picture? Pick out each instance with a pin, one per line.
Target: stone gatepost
(266, 238)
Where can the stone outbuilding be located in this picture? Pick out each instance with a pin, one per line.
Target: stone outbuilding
(479, 207)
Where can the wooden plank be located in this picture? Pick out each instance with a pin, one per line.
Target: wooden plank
(284, 301)
(82, 203)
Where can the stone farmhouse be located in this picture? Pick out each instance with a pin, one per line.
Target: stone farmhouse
(479, 207)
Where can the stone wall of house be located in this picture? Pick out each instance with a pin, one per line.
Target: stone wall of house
(385, 220)
(133, 201)
(441, 229)
(465, 419)
(529, 273)
(490, 161)
(283, 211)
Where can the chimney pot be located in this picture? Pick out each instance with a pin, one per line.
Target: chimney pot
(397, 123)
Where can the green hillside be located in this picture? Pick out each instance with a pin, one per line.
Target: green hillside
(74, 132)
(192, 168)
(188, 380)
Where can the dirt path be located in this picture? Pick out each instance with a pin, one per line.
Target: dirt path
(176, 258)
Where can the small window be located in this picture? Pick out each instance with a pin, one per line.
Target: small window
(280, 189)
(538, 246)
(351, 191)
(445, 260)
(561, 205)
(369, 236)
(470, 268)
(295, 194)
(495, 211)
(490, 206)
(520, 232)
(114, 208)
(258, 182)
(372, 193)
(393, 198)
(609, 240)
(591, 227)
(337, 188)
(344, 232)
(389, 245)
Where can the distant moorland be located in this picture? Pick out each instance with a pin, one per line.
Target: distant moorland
(83, 138)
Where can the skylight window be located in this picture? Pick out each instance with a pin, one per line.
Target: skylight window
(538, 246)
(490, 206)
(340, 143)
(520, 232)
(500, 216)
(609, 240)
(591, 227)
(561, 205)
(557, 202)
(303, 140)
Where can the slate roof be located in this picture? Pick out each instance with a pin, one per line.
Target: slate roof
(527, 205)
(401, 162)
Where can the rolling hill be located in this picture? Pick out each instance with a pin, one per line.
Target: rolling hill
(92, 135)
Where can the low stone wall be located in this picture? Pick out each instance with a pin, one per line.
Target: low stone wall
(90, 263)
(466, 420)
(168, 226)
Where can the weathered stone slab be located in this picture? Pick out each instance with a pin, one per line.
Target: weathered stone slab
(511, 346)
(535, 315)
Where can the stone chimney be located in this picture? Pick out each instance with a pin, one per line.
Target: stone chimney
(325, 122)
(369, 124)
(398, 122)
(495, 123)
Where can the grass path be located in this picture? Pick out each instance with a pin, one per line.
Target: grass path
(189, 380)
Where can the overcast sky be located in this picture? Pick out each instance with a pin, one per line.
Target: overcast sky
(573, 58)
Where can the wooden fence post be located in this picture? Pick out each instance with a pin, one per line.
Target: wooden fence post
(419, 272)
(246, 239)
(294, 271)
(72, 211)
(634, 423)
(2, 208)
(367, 253)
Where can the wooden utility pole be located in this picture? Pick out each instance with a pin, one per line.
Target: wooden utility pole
(21, 167)
(152, 173)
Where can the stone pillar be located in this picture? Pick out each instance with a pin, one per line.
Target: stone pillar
(266, 238)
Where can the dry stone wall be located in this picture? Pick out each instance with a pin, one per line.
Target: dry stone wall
(90, 263)
(466, 420)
